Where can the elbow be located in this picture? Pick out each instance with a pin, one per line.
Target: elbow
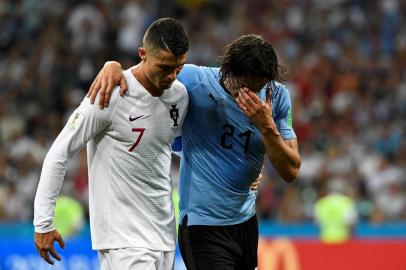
(290, 177)
(291, 174)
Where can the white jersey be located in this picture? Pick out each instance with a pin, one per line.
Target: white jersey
(129, 155)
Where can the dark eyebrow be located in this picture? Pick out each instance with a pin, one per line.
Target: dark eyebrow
(169, 66)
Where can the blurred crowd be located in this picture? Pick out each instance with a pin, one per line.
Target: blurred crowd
(347, 78)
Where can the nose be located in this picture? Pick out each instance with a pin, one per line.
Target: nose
(173, 75)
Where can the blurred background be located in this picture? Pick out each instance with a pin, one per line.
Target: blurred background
(347, 79)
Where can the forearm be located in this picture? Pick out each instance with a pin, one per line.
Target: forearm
(284, 156)
(71, 139)
(52, 175)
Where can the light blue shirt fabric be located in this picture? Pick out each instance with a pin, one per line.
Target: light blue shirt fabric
(222, 152)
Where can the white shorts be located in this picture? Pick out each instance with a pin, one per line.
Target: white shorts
(136, 258)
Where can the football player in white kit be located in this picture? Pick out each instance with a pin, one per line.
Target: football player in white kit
(129, 153)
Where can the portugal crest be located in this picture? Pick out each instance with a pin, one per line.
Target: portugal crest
(174, 114)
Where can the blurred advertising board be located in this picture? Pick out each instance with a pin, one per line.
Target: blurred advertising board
(376, 247)
(361, 254)
(20, 254)
(273, 254)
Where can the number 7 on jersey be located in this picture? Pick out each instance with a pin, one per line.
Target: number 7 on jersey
(141, 133)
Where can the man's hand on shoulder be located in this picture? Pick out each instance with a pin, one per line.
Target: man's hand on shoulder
(257, 182)
(44, 242)
(109, 76)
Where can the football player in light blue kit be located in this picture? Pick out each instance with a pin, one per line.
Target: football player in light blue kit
(223, 150)
(237, 114)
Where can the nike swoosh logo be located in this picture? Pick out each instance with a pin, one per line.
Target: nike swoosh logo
(135, 118)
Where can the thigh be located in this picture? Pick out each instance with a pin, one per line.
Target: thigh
(208, 247)
(103, 260)
(130, 259)
(167, 260)
(185, 248)
(248, 234)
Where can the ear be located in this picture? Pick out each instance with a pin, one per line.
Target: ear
(142, 52)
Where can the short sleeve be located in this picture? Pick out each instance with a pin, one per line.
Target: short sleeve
(283, 112)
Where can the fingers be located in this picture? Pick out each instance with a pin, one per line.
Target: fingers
(123, 86)
(260, 176)
(59, 239)
(254, 186)
(107, 95)
(94, 88)
(109, 76)
(44, 244)
(43, 252)
(102, 93)
(240, 104)
(251, 97)
(45, 256)
(110, 89)
(247, 103)
(54, 253)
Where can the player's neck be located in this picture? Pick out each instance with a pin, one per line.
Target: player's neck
(223, 85)
(139, 74)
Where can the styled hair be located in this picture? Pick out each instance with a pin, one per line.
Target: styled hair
(166, 34)
(250, 57)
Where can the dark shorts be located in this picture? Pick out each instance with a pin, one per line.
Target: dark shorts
(219, 247)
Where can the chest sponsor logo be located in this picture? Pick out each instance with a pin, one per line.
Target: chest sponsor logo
(174, 114)
(134, 118)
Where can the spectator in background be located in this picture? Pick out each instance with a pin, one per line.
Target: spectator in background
(335, 213)
(133, 21)
(323, 43)
(69, 216)
(87, 28)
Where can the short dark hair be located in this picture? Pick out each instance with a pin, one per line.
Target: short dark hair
(167, 34)
(251, 56)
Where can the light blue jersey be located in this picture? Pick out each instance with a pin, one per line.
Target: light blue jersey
(223, 153)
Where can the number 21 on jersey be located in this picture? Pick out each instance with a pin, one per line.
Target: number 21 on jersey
(229, 132)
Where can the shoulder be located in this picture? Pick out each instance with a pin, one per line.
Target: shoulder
(88, 109)
(192, 76)
(190, 70)
(280, 95)
(179, 87)
(279, 91)
(176, 94)
(130, 79)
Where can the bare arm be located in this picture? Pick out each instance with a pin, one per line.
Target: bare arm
(109, 77)
(283, 154)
